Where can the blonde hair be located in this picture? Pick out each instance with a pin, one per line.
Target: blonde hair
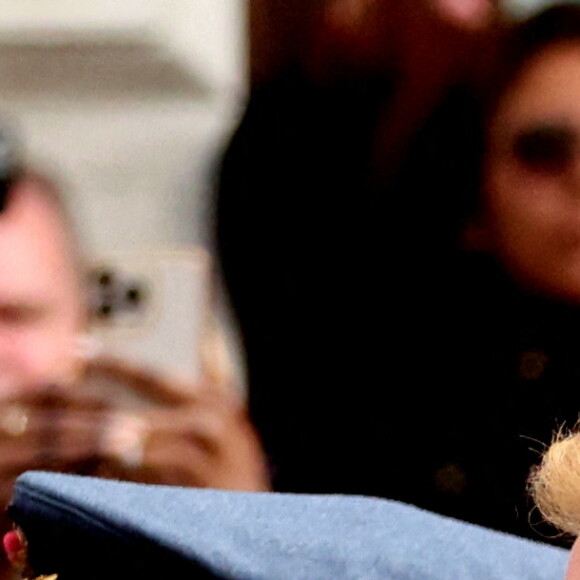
(555, 483)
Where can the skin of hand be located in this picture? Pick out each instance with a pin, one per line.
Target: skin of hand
(194, 436)
(198, 436)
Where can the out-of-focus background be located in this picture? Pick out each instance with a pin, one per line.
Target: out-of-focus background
(133, 103)
(130, 102)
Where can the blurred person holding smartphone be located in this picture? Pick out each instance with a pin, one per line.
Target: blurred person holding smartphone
(187, 436)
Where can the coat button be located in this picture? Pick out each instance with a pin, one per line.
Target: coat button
(532, 364)
(450, 478)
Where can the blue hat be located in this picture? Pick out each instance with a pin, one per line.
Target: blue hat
(86, 528)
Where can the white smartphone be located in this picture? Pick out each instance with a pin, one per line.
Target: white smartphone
(150, 309)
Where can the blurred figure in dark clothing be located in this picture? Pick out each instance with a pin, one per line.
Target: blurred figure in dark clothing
(395, 346)
(338, 266)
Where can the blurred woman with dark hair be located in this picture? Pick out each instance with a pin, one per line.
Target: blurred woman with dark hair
(408, 285)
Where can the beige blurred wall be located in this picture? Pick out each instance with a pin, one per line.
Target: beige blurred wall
(131, 101)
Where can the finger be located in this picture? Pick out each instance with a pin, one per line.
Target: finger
(142, 381)
(177, 460)
(125, 454)
(230, 459)
(53, 397)
(17, 455)
(71, 437)
(47, 438)
(210, 423)
(215, 432)
(196, 446)
(159, 439)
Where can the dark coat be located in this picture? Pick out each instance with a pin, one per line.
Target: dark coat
(382, 358)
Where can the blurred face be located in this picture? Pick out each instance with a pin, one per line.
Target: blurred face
(532, 189)
(41, 311)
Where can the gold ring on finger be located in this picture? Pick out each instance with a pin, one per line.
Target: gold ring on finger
(14, 422)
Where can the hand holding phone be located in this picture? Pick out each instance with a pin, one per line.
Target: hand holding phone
(151, 310)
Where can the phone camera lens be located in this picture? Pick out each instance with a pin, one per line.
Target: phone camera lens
(134, 296)
(104, 310)
(105, 278)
